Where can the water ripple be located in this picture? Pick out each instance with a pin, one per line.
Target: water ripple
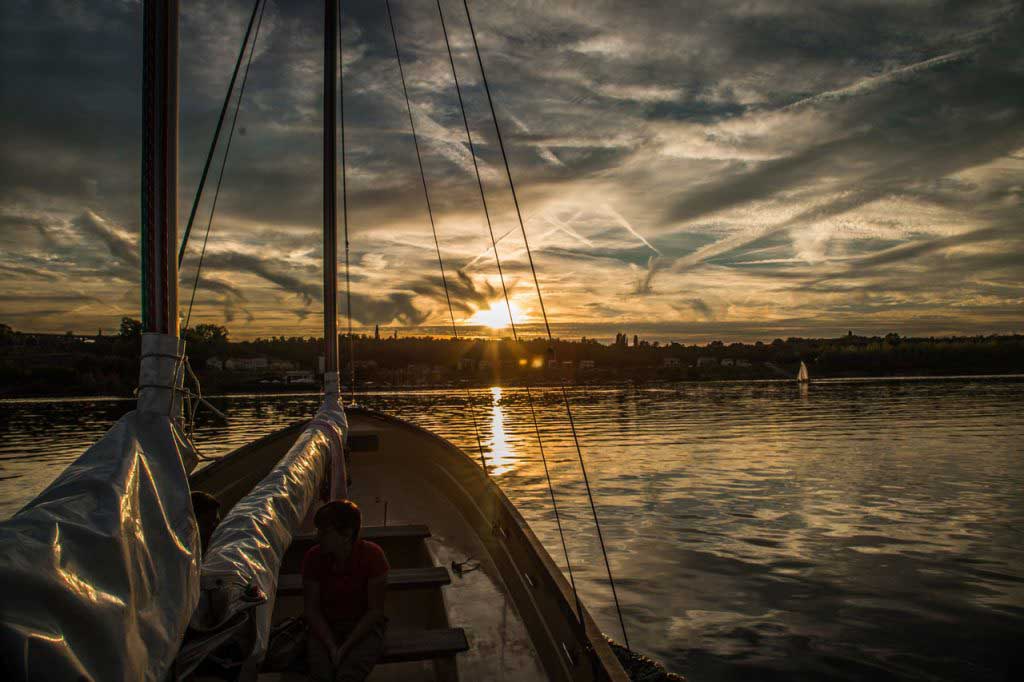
(860, 529)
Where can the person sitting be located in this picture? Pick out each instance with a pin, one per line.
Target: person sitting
(207, 511)
(343, 584)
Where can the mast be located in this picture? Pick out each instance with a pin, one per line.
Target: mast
(160, 167)
(330, 198)
(161, 367)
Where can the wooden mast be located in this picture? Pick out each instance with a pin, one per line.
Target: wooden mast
(160, 167)
(330, 196)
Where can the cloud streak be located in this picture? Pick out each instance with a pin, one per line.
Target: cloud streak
(681, 167)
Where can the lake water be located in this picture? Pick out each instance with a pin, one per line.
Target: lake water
(854, 530)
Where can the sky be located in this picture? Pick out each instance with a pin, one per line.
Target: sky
(688, 171)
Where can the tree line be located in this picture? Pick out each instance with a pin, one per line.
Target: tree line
(53, 364)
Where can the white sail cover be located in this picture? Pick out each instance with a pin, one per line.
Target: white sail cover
(100, 571)
(239, 571)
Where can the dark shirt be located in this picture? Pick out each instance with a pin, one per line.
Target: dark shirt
(343, 587)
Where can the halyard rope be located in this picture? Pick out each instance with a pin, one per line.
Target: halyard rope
(223, 165)
(344, 214)
(508, 305)
(216, 136)
(213, 209)
(547, 326)
(433, 227)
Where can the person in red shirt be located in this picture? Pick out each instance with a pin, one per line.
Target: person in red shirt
(343, 584)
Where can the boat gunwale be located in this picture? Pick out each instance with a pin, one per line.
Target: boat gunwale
(594, 638)
(216, 464)
(590, 635)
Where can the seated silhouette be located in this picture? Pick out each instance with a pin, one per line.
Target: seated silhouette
(343, 582)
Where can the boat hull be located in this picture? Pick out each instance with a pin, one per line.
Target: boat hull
(518, 609)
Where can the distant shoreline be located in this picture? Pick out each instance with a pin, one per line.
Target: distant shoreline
(55, 366)
(276, 391)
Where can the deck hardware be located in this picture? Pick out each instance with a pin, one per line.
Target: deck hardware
(461, 567)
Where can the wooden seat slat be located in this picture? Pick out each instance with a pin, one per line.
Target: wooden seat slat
(419, 645)
(413, 531)
(398, 579)
(405, 645)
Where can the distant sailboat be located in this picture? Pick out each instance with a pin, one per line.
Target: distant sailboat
(802, 377)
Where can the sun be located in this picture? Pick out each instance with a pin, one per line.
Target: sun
(495, 317)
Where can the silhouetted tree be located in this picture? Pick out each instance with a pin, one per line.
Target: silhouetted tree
(130, 328)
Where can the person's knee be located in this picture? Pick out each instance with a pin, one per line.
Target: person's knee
(318, 661)
(362, 658)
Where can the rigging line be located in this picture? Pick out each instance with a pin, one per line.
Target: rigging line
(547, 326)
(216, 136)
(223, 165)
(433, 227)
(508, 305)
(344, 214)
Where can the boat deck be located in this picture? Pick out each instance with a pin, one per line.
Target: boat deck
(429, 605)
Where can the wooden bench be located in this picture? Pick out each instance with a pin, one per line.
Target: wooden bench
(405, 645)
(398, 579)
(414, 531)
(421, 645)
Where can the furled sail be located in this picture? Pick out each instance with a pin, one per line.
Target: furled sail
(239, 572)
(100, 570)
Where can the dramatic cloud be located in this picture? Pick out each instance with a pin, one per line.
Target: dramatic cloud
(684, 169)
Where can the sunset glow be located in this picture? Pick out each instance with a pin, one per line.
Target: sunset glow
(496, 317)
(711, 310)
(676, 198)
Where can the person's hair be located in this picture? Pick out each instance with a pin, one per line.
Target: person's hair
(204, 503)
(341, 515)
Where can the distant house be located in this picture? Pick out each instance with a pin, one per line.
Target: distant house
(567, 364)
(552, 364)
(215, 363)
(707, 362)
(586, 364)
(727, 362)
(484, 364)
(466, 364)
(740, 362)
(670, 362)
(247, 364)
(300, 376)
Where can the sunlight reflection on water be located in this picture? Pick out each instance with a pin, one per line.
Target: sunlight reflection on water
(850, 530)
(500, 459)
